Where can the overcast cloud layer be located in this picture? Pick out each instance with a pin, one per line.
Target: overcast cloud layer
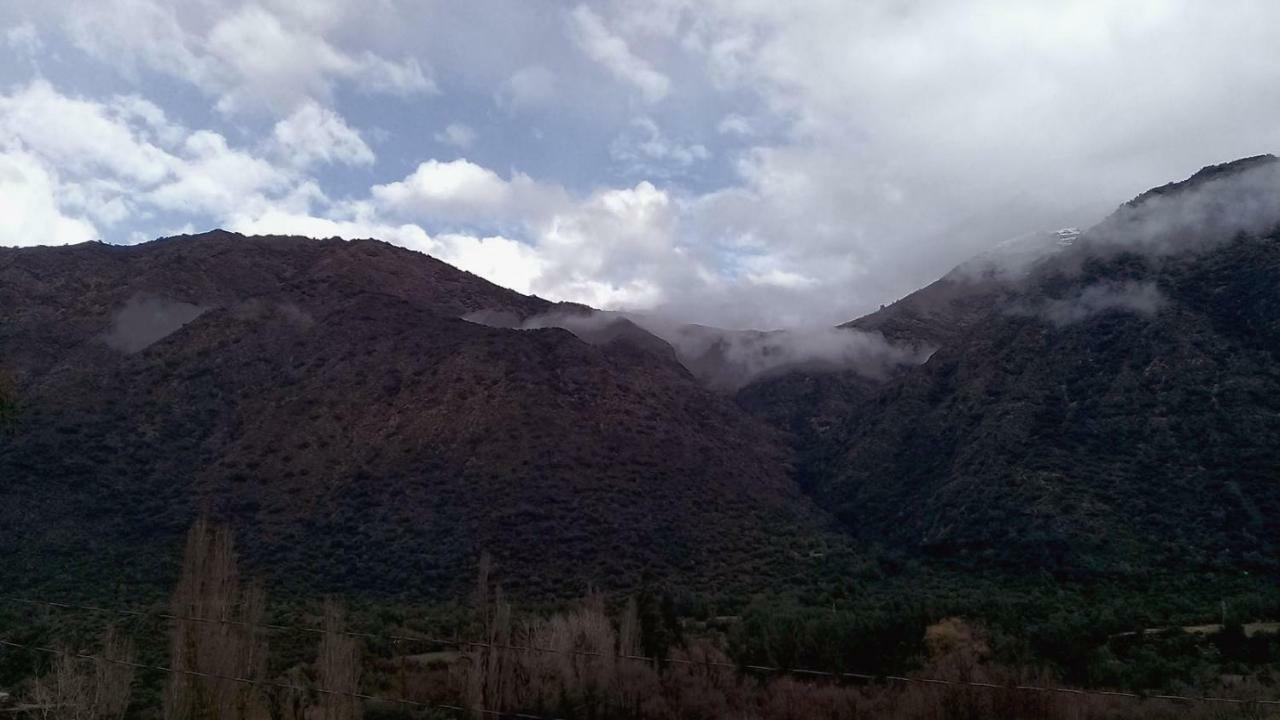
(733, 162)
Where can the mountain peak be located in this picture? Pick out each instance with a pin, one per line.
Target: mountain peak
(1204, 175)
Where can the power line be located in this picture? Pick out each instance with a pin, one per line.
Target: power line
(453, 642)
(836, 674)
(274, 684)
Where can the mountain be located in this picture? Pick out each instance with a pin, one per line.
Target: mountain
(1095, 405)
(327, 399)
(1114, 407)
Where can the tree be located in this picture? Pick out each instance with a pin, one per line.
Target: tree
(76, 688)
(338, 667)
(8, 401)
(227, 641)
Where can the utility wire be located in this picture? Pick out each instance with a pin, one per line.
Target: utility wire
(274, 684)
(844, 675)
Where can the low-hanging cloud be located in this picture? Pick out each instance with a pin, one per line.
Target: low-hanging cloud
(145, 320)
(1217, 204)
(731, 359)
(1139, 298)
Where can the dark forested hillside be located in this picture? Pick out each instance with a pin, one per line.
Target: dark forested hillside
(1116, 409)
(326, 399)
(1109, 407)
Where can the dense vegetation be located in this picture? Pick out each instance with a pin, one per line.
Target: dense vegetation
(329, 402)
(1108, 445)
(650, 655)
(1073, 487)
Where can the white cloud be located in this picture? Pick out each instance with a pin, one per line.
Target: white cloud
(612, 51)
(460, 191)
(447, 187)
(71, 159)
(212, 178)
(509, 263)
(314, 134)
(735, 124)
(501, 260)
(266, 63)
(81, 137)
(252, 59)
(781, 278)
(647, 151)
(528, 87)
(860, 149)
(136, 35)
(458, 135)
(1143, 299)
(372, 73)
(279, 221)
(29, 212)
(616, 248)
(24, 39)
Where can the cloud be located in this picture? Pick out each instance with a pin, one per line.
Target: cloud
(822, 158)
(1217, 204)
(73, 159)
(372, 73)
(314, 134)
(463, 192)
(735, 124)
(29, 210)
(251, 60)
(137, 35)
(598, 43)
(528, 87)
(645, 150)
(82, 137)
(505, 261)
(456, 134)
(146, 320)
(24, 39)
(280, 221)
(1132, 297)
(213, 178)
(615, 248)
(263, 63)
(905, 138)
(731, 359)
(611, 248)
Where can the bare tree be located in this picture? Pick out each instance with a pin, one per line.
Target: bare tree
(228, 645)
(491, 669)
(113, 675)
(77, 688)
(338, 665)
(65, 692)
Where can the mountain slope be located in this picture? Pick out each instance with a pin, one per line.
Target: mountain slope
(326, 399)
(1115, 410)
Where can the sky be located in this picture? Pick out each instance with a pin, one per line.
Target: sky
(742, 163)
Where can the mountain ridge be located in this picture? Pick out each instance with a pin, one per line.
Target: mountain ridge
(372, 418)
(329, 401)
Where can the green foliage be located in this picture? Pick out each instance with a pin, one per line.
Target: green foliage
(659, 622)
(780, 632)
(8, 402)
(1101, 447)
